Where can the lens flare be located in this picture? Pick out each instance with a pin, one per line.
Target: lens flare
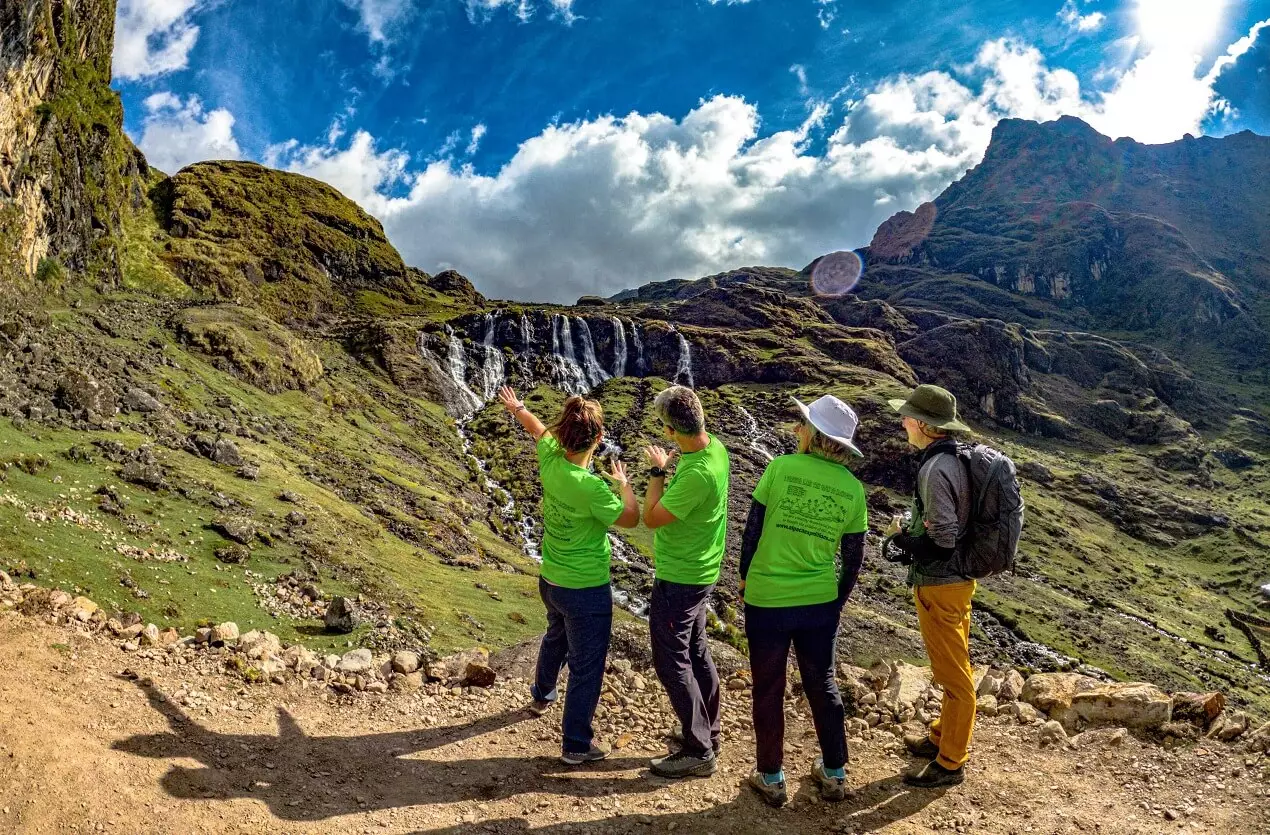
(836, 274)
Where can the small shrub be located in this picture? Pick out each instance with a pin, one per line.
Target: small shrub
(50, 271)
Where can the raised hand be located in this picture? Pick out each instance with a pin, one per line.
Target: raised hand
(617, 473)
(508, 398)
(657, 456)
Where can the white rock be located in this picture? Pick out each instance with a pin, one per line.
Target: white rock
(356, 662)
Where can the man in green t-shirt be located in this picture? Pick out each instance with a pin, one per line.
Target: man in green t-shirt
(689, 517)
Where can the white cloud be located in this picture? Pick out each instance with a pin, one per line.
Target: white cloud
(377, 17)
(599, 205)
(176, 133)
(482, 10)
(1075, 21)
(826, 12)
(478, 133)
(360, 171)
(800, 72)
(153, 37)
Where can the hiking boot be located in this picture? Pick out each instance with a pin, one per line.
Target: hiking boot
(773, 794)
(677, 736)
(539, 706)
(832, 789)
(935, 776)
(683, 764)
(920, 745)
(596, 754)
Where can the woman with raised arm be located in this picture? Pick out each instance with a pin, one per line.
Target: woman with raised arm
(800, 557)
(578, 508)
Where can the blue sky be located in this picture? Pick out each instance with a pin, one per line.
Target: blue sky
(550, 148)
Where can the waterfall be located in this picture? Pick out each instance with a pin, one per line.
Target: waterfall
(685, 362)
(457, 362)
(526, 333)
(641, 368)
(590, 365)
(492, 369)
(568, 375)
(752, 430)
(619, 348)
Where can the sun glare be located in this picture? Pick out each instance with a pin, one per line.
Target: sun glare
(1179, 24)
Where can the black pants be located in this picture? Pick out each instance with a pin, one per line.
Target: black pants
(813, 632)
(681, 656)
(579, 625)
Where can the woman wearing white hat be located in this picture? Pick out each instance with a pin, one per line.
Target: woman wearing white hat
(800, 556)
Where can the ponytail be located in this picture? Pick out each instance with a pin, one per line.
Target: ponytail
(579, 425)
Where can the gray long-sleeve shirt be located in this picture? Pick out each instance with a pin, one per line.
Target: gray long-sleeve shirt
(941, 511)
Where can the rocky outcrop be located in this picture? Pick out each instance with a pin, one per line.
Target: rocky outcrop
(67, 172)
(318, 253)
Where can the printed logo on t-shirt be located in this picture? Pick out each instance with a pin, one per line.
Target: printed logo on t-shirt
(812, 508)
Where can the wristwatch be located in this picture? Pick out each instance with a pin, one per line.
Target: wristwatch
(657, 472)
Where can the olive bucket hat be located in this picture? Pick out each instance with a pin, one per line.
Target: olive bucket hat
(933, 406)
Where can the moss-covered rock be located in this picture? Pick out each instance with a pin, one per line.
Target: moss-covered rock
(289, 245)
(251, 346)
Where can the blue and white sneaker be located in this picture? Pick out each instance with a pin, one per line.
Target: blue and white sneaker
(832, 784)
(771, 787)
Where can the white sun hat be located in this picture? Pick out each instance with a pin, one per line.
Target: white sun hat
(833, 419)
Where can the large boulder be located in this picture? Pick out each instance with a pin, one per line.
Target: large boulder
(341, 616)
(1200, 709)
(80, 394)
(222, 634)
(905, 684)
(1126, 704)
(240, 529)
(1053, 694)
(257, 645)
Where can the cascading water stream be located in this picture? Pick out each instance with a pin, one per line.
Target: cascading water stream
(683, 374)
(619, 348)
(524, 523)
(641, 367)
(493, 371)
(457, 365)
(752, 432)
(568, 374)
(590, 365)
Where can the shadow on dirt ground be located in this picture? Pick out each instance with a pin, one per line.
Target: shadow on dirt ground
(313, 778)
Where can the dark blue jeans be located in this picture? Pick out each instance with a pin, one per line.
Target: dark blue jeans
(579, 624)
(813, 632)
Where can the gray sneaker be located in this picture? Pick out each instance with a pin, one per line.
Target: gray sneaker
(832, 789)
(773, 794)
(683, 764)
(539, 706)
(596, 754)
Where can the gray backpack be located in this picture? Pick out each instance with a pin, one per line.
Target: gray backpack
(990, 543)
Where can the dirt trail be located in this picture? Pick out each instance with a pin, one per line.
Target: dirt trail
(85, 749)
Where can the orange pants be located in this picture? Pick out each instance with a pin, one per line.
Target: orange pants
(944, 615)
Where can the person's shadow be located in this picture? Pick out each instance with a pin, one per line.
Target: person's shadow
(311, 778)
(870, 808)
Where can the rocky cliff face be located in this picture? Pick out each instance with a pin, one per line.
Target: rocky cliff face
(67, 172)
(1081, 231)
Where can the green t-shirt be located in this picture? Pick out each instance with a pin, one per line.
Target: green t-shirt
(811, 504)
(690, 549)
(577, 510)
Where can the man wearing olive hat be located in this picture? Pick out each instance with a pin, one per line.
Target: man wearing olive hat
(929, 541)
